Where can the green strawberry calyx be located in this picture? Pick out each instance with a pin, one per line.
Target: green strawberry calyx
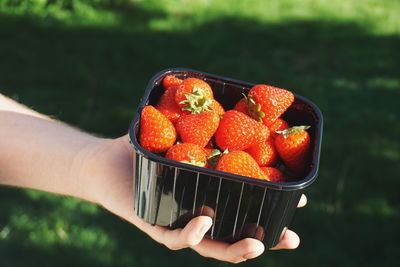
(254, 109)
(195, 162)
(293, 130)
(196, 102)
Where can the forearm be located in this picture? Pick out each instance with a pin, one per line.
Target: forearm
(7, 104)
(37, 152)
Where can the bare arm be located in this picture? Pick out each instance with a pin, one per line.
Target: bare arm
(7, 104)
(40, 153)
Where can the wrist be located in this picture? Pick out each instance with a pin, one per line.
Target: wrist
(85, 168)
(99, 164)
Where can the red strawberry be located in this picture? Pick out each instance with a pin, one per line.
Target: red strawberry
(293, 146)
(278, 125)
(238, 131)
(157, 133)
(171, 80)
(241, 163)
(167, 106)
(269, 103)
(194, 95)
(198, 128)
(216, 106)
(209, 151)
(264, 153)
(188, 153)
(273, 174)
(242, 106)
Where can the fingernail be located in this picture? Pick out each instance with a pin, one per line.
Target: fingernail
(251, 255)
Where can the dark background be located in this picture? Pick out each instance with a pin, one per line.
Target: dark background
(88, 62)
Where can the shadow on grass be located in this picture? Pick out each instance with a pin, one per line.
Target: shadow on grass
(94, 78)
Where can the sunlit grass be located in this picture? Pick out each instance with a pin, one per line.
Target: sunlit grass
(381, 83)
(370, 13)
(380, 17)
(378, 207)
(45, 231)
(64, 203)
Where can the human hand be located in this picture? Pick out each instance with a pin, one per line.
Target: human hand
(106, 175)
(60, 159)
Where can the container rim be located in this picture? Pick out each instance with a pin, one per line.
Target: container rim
(286, 186)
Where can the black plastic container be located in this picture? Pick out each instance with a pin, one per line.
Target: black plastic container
(170, 193)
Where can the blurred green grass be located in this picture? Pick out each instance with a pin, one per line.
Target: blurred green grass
(88, 62)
